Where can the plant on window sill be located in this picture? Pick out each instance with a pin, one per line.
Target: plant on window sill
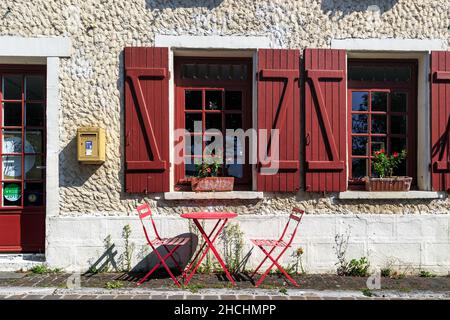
(384, 166)
(209, 179)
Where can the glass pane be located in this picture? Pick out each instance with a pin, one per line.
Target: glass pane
(360, 101)
(233, 100)
(34, 194)
(233, 121)
(359, 168)
(12, 141)
(189, 71)
(12, 87)
(214, 121)
(398, 124)
(193, 145)
(202, 71)
(379, 73)
(12, 193)
(34, 168)
(399, 102)
(193, 119)
(359, 123)
(12, 167)
(33, 141)
(34, 115)
(398, 144)
(12, 114)
(239, 72)
(190, 169)
(34, 88)
(379, 123)
(225, 72)
(213, 100)
(378, 143)
(214, 72)
(359, 146)
(379, 101)
(193, 100)
(398, 74)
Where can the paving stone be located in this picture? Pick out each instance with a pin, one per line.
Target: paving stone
(211, 297)
(191, 297)
(88, 297)
(245, 297)
(229, 297)
(280, 298)
(34, 297)
(263, 298)
(142, 297)
(158, 297)
(71, 296)
(106, 297)
(177, 297)
(298, 298)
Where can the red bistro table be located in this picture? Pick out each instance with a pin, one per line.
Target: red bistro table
(222, 219)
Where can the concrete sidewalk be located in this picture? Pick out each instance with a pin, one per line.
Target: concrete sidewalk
(54, 293)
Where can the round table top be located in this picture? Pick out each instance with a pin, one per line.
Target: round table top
(209, 215)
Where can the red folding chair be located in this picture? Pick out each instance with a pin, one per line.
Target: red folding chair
(280, 243)
(144, 212)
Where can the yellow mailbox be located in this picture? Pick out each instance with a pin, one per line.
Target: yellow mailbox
(91, 145)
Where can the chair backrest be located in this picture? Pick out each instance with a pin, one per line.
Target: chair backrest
(297, 216)
(144, 211)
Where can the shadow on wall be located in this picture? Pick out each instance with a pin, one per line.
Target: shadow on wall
(173, 4)
(79, 174)
(343, 8)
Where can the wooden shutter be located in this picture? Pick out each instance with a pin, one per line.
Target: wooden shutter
(440, 120)
(325, 120)
(279, 108)
(146, 120)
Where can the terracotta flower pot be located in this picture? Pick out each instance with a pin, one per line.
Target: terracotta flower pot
(389, 184)
(212, 184)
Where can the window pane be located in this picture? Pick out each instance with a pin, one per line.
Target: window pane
(359, 146)
(189, 71)
(34, 194)
(12, 167)
(360, 101)
(213, 100)
(12, 193)
(225, 72)
(379, 101)
(359, 168)
(233, 121)
(359, 123)
(34, 168)
(398, 124)
(192, 119)
(193, 100)
(379, 123)
(378, 143)
(214, 72)
(379, 73)
(12, 114)
(12, 87)
(239, 71)
(190, 169)
(12, 141)
(399, 102)
(213, 121)
(202, 71)
(233, 100)
(33, 141)
(193, 145)
(398, 144)
(34, 88)
(34, 114)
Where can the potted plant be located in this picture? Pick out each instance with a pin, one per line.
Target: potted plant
(384, 166)
(208, 180)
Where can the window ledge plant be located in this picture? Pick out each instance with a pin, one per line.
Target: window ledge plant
(384, 166)
(209, 179)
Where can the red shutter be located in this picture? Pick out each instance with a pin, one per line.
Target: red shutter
(440, 120)
(325, 120)
(279, 108)
(146, 120)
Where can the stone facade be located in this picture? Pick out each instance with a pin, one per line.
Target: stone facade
(92, 79)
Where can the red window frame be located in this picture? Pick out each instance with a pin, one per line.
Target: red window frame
(24, 71)
(390, 87)
(182, 85)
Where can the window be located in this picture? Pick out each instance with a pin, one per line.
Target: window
(382, 109)
(22, 98)
(213, 94)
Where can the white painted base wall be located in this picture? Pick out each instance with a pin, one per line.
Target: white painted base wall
(409, 242)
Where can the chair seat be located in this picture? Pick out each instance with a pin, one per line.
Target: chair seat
(176, 241)
(268, 243)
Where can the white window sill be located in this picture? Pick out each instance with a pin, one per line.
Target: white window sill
(188, 195)
(351, 195)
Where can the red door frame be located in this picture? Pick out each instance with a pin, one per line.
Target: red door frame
(237, 85)
(386, 86)
(24, 227)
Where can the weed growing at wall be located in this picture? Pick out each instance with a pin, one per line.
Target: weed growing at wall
(127, 256)
(340, 248)
(43, 269)
(233, 242)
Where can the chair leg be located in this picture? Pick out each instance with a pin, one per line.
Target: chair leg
(275, 263)
(262, 262)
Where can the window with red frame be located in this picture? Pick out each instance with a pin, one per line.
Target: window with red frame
(382, 114)
(213, 94)
(23, 102)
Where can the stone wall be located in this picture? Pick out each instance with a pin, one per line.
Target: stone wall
(92, 79)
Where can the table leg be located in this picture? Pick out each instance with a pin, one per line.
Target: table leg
(213, 249)
(199, 251)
